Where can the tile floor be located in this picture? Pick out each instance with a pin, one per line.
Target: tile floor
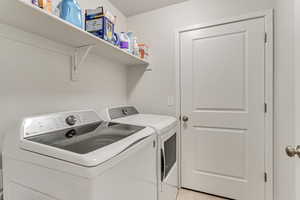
(191, 195)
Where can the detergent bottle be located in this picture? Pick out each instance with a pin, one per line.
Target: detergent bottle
(124, 41)
(71, 12)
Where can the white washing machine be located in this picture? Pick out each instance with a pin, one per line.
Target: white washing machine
(166, 128)
(77, 156)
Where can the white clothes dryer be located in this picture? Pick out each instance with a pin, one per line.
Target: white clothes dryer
(166, 128)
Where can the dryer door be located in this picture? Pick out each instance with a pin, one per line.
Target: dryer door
(170, 155)
(169, 185)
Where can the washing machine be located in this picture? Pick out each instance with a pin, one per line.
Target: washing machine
(78, 156)
(166, 128)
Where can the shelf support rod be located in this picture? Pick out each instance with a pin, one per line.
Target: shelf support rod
(78, 58)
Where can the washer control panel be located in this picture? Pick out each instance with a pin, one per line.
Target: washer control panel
(123, 111)
(59, 121)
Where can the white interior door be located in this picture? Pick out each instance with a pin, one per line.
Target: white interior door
(222, 99)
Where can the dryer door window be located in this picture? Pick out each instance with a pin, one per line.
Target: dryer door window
(170, 151)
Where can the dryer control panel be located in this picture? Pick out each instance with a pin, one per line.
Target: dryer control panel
(53, 122)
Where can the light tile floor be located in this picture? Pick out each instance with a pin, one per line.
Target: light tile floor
(191, 195)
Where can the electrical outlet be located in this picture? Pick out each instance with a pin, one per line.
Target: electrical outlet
(170, 101)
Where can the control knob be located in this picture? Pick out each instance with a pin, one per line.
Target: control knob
(71, 120)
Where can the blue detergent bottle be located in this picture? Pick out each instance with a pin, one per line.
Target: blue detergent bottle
(71, 12)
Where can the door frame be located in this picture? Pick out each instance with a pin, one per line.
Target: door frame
(268, 16)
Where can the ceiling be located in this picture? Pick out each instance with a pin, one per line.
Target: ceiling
(134, 7)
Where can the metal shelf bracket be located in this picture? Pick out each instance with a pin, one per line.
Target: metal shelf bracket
(78, 58)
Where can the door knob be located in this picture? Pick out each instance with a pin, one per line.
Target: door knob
(292, 152)
(185, 118)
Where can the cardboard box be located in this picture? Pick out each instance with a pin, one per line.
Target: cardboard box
(100, 23)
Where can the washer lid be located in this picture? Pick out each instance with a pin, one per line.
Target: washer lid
(89, 143)
(87, 138)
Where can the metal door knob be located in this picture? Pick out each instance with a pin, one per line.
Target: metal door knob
(185, 118)
(292, 152)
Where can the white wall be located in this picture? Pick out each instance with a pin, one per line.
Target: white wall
(151, 90)
(35, 77)
(297, 92)
(284, 91)
(157, 28)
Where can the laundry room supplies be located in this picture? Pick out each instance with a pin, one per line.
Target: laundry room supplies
(130, 44)
(116, 39)
(133, 46)
(35, 2)
(42, 4)
(56, 8)
(136, 49)
(124, 41)
(71, 12)
(101, 23)
(49, 6)
(144, 51)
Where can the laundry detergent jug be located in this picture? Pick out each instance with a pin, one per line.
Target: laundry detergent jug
(124, 41)
(71, 12)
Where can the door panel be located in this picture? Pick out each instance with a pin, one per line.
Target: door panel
(229, 67)
(222, 77)
(221, 164)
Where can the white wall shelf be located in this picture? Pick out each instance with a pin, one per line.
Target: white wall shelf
(32, 19)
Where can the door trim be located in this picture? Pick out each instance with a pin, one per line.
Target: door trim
(268, 16)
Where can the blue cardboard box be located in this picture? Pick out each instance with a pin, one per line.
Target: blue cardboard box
(100, 24)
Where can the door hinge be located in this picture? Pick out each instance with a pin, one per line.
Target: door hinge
(266, 107)
(266, 177)
(266, 37)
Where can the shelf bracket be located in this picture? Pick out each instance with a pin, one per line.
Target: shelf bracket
(78, 58)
